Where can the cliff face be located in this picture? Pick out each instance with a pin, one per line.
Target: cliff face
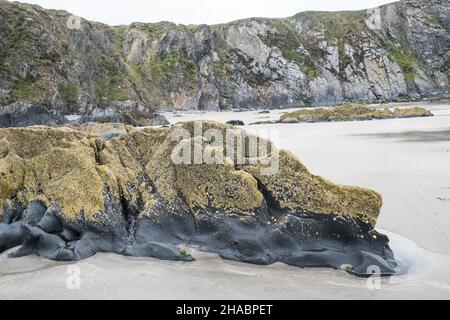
(398, 51)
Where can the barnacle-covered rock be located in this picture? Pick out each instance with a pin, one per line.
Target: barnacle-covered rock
(68, 193)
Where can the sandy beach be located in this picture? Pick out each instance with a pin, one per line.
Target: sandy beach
(406, 160)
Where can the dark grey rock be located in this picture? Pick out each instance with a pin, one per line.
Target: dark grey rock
(236, 123)
(127, 112)
(398, 52)
(34, 213)
(159, 120)
(11, 235)
(23, 115)
(299, 239)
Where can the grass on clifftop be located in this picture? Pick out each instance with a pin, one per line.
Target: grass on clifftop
(337, 25)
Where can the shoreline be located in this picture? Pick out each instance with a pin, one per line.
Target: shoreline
(107, 276)
(410, 175)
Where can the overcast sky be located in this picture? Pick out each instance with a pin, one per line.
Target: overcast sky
(117, 12)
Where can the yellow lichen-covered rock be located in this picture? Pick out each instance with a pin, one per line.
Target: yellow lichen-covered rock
(75, 169)
(103, 128)
(201, 187)
(12, 171)
(219, 187)
(52, 166)
(294, 188)
(67, 194)
(412, 112)
(351, 112)
(4, 148)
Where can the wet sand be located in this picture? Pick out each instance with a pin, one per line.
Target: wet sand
(406, 160)
(109, 276)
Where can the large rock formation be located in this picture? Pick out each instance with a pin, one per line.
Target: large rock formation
(399, 51)
(352, 113)
(66, 194)
(23, 115)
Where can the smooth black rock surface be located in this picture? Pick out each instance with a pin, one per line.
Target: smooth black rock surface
(236, 123)
(296, 239)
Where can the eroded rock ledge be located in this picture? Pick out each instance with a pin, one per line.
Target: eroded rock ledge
(129, 112)
(352, 112)
(66, 194)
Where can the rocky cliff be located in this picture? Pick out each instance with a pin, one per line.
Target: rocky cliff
(399, 51)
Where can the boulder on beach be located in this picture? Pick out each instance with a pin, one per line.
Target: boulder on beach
(351, 112)
(236, 123)
(22, 115)
(66, 194)
(126, 112)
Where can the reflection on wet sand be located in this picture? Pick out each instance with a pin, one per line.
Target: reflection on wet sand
(413, 136)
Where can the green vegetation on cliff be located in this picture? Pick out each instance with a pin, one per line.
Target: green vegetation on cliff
(113, 88)
(28, 91)
(69, 92)
(185, 66)
(164, 66)
(337, 25)
(287, 40)
(405, 58)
